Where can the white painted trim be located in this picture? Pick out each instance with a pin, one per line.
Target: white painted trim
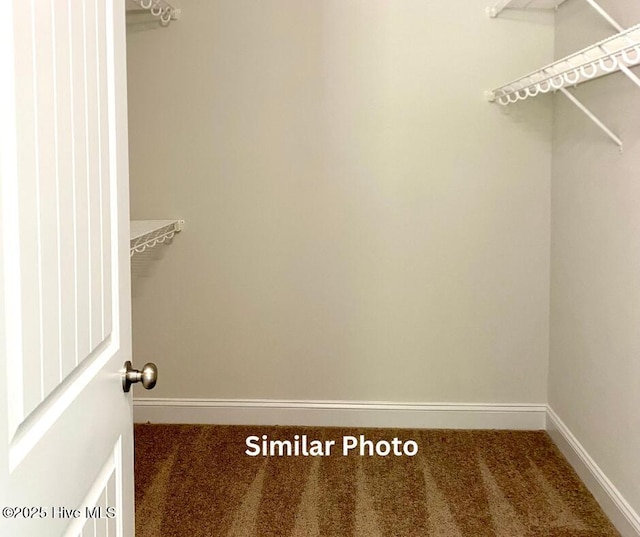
(341, 413)
(622, 515)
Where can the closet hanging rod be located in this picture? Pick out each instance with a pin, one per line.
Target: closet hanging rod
(616, 53)
(159, 8)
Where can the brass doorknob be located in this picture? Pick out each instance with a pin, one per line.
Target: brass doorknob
(148, 376)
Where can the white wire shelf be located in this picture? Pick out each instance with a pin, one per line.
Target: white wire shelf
(147, 233)
(158, 8)
(615, 53)
(495, 10)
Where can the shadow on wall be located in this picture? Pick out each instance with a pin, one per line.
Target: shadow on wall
(144, 266)
(142, 21)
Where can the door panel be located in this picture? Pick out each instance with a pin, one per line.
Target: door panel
(65, 423)
(65, 189)
(99, 502)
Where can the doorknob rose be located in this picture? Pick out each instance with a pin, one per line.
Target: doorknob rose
(148, 376)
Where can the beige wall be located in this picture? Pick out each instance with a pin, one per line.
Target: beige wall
(594, 381)
(361, 224)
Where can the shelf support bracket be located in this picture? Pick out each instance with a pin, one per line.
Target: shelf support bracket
(592, 117)
(494, 11)
(628, 72)
(630, 75)
(605, 15)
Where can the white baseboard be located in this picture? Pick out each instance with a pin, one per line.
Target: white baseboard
(622, 515)
(341, 413)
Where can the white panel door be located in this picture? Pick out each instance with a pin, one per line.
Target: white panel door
(66, 454)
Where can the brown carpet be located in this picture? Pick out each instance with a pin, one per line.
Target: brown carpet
(195, 480)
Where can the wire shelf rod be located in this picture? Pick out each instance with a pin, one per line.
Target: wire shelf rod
(607, 56)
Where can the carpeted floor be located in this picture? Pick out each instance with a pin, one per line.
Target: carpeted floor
(196, 481)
